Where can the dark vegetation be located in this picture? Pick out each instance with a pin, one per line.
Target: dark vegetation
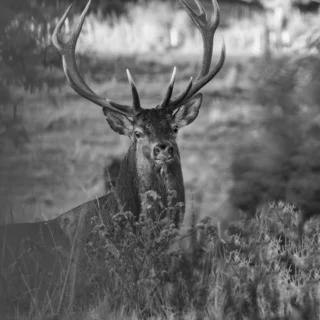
(280, 161)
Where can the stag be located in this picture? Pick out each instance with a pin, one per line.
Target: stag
(152, 162)
(153, 154)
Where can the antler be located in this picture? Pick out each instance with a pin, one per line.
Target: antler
(166, 100)
(136, 100)
(207, 30)
(67, 50)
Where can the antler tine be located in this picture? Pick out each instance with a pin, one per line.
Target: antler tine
(64, 48)
(201, 8)
(67, 51)
(207, 30)
(206, 79)
(135, 95)
(178, 99)
(165, 101)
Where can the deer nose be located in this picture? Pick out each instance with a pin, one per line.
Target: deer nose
(163, 151)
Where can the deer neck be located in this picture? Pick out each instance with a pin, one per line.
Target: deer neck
(138, 175)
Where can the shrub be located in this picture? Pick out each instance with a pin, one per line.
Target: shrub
(263, 273)
(276, 160)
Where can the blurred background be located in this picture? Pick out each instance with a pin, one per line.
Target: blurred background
(256, 138)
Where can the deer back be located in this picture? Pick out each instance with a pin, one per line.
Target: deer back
(48, 258)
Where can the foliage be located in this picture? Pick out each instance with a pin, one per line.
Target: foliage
(140, 260)
(278, 160)
(24, 38)
(25, 55)
(264, 272)
(25, 43)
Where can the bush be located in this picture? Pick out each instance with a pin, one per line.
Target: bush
(263, 273)
(141, 261)
(276, 160)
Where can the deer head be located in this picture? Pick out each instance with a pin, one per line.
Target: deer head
(154, 153)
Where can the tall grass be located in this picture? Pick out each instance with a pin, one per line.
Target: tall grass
(262, 273)
(157, 272)
(156, 27)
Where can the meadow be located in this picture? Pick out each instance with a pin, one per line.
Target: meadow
(249, 158)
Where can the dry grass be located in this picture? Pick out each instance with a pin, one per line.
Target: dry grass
(142, 31)
(160, 27)
(262, 273)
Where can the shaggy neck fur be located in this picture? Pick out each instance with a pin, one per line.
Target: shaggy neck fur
(138, 175)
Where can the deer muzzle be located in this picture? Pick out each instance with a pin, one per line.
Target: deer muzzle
(163, 152)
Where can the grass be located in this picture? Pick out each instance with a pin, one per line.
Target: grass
(263, 272)
(141, 31)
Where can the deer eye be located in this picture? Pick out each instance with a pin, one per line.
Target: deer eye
(175, 129)
(137, 134)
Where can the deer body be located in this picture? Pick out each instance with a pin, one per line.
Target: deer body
(152, 162)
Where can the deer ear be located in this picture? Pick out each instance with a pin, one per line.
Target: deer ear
(188, 112)
(119, 122)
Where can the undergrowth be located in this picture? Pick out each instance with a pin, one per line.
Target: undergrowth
(149, 269)
(264, 272)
